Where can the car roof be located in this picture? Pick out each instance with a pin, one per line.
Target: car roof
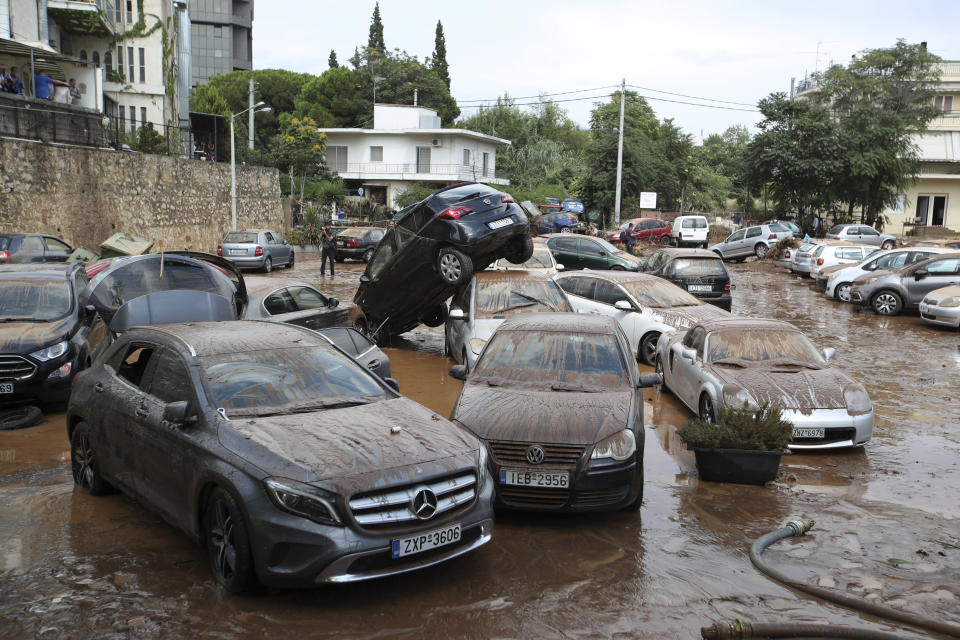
(938, 256)
(617, 276)
(510, 275)
(675, 252)
(561, 321)
(262, 284)
(235, 336)
(747, 323)
(44, 269)
(22, 235)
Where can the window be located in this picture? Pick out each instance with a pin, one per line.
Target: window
(382, 257)
(134, 363)
(947, 266)
(578, 286)
(133, 119)
(130, 11)
(130, 64)
(565, 244)
(931, 210)
(122, 118)
(608, 293)
(486, 163)
(119, 59)
(466, 157)
(83, 54)
(170, 381)
(695, 339)
(96, 59)
(869, 231)
(279, 302)
(31, 244)
(308, 298)
(376, 154)
(53, 243)
(108, 61)
(337, 158)
(143, 116)
(590, 247)
(944, 103)
(753, 232)
(735, 237)
(143, 64)
(218, 32)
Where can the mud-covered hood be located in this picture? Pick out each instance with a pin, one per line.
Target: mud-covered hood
(870, 278)
(341, 446)
(790, 387)
(26, 337)
(837, 267)
(544, 416)
(686, 317)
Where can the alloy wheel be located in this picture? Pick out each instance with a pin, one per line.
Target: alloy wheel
(843, 292)
(83, 461)
(886, 304)
(221, 537)
(450, 267)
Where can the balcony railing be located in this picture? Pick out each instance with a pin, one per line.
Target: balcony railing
(458, 171)
(50, 122)
(76, 16)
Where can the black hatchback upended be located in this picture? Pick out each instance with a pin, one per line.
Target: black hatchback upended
(435, 246)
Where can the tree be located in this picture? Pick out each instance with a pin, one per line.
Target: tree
(375, 39)
(439, 60)
(332, 60)
(206, 98)
(335, 99)
(299, 148)
(400, 74)
(149, 141)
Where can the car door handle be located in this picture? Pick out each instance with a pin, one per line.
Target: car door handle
(98, 387)
(141, 411)
(373, 364)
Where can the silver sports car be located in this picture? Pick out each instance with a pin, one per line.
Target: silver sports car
(746, 361)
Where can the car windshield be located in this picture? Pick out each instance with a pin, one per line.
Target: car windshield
(565, 361)
(241, 237)
(694, 223)
(34, 300)
(465, 192)
(658, 294)
(767, 345)
(699, 267)
(288, 380)
(499, 297)
(539, 260)
(836, 229)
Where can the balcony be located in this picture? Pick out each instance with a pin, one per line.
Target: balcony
(419, 172)
(83, 17)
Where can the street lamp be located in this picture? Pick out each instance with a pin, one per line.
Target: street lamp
(233, 162)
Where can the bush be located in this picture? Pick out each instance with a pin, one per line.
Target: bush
(743, 428)
(414, 193)
(777, 250)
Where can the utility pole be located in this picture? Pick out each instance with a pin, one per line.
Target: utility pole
(250, 118)
(616, 208)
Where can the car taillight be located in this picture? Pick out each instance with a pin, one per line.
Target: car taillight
(726, 287)
(455, 213)
(258, 252)
(819, 262)
(4, 256)
(787, 254)
(506, 197)
(352, 243)
(772, 236)
(220, 251)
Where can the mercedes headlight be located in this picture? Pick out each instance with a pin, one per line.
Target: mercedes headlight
(476, 345)
(619, 446)
(49, 353)
(740, 399)
(952, 301)
(482, 467)
(857, 400)
(301, 500)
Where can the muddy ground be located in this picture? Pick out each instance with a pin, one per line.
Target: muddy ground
(888, 522)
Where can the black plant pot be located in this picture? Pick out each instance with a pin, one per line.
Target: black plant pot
(738, 465)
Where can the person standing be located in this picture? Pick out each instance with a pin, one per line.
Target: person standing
(3, 77)
(328, 248)
(45, 86)
(74, 91)
(630, 241)
(14, 82)
(816, 226)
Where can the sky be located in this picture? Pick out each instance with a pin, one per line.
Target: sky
(723, 50)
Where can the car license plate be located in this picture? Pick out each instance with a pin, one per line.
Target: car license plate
(426, 541)
(238, 252)
(502, 222)
(699, 287)
(6, 387)
(556, 479)
(800, 432)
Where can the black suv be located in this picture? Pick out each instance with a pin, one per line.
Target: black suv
(47, 333)
(358, 242)
(33, 247)
(435, 246)
(697, 271)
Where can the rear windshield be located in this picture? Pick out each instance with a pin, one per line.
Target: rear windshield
(699, 267)
(663, 294)
(241, 237)
(465, 192)
(588, 359)
(820, 248)
(694, 223)
(352, 233)
(4, 243)
(499, 297)
(758, 346)
(34, 300)
(835, 230)
(776, 226)
(539, 260)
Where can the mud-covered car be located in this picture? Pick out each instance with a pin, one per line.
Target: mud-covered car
(890, 292)
(289, 462)
(556, 397)
(359, 347)
(751, 362)
(541, 260)
(435, 247)
(47, 331)
(942, 306)
(32, 247)
(358, 243)
(697, 271)
(295, 302)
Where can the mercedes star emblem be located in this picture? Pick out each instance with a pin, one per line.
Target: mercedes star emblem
(534, 455)
(424, 504)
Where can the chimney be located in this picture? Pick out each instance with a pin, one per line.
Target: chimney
(923, 45)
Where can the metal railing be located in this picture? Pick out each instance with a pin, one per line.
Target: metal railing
(32, 119)
(460, 171)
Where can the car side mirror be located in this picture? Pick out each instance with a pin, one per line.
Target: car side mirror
(364, 278)
(458, 371)
(560, 267)
(650, 380)
(688, 354)
(623, 305)
(393, 384)
(456, 314)
(175, 412)
(333, 302)
(920, 274)
(829, 352)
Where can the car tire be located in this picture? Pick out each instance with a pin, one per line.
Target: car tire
(436, 317)
(842, 291)
(760, 250)
(20, 417)
(636, 504)
(291, 261)
(886, 246)
(707, 412)
(454, 267)
(665, 241)
(268, 265)
(465, 363)
(617, 267)
(887, 303)
(368, 255)
(564, 229)
(658, 368)
(84, 463)
(228, 543)
(519, 250)
(647, 350)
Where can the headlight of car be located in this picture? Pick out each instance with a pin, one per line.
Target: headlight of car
(482, 467)
(953, 301)
(476, 345)
(301, 500)
(739, 399)
(49, 353)
(857, 400)
(619, 446)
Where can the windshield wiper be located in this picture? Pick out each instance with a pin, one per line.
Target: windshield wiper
(537, 300)
(569, 386)
(512, 307)
(23, 320)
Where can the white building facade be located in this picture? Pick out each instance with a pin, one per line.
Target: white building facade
(406, 146)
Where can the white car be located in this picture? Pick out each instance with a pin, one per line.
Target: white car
(692, 231)
(827, 256)
(480, 306)
(942, 306)
(645, 306)
(542, 261)
(840, 281)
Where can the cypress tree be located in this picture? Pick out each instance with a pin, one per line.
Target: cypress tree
(375, 40)
(440, 55)
(332, 61)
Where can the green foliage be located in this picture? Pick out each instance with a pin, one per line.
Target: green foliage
(400, 73)
(740, 428)
(314, 190)
(300, 148)
(335, 99)
(537, 194)
(148, 140)
(375, 39)
(414, 193)
(439, 59)
(332, 60)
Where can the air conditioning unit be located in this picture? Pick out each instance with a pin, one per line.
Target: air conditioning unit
(436, 142)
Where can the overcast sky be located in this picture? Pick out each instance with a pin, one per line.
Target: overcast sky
(723, 50)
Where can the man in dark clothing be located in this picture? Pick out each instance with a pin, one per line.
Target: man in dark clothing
(328, 249)
(626, 237)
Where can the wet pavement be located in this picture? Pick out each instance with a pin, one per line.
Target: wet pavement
(888, 521)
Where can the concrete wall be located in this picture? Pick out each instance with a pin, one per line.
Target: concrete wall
(947, 186)
(85, 195)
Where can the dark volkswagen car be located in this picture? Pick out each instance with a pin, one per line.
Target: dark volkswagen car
(47, 333)
(358, 243)
(556, 397)
(33, 247)
(289, 462)
(435, 246)
(585, 252)
(697, 271)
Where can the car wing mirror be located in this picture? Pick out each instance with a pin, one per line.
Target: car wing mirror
(333, 302)
(364, 278)
(458, 371)
(560, 267)
(829, 352)
(920, 274)
(650, 380)
(176, 412)
(393, 384)
(456, 314)
(688, 354)
(623, 305)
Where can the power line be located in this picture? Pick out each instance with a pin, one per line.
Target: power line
(683, 95)
(545, 95)
(693, 104)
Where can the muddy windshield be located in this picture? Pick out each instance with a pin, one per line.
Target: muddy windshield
(699, 267)
(564, 361)
(659, 294)
(539, 260)
(835, 230)
(761, 346)
(287, 381)
(499, 297)
(34, 300)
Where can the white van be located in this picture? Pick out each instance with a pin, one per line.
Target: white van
(690, 231)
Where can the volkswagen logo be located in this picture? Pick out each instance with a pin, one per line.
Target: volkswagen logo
(424, 504)
(534, 455)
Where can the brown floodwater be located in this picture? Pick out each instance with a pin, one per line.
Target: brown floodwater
(888, 522)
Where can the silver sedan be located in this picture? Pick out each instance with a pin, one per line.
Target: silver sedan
(942, 307)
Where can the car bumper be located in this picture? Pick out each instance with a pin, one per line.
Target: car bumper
(247, 262)
(350, 252)
(821, 282)
(46, 385)
(803, 268)
(292, 552)
(943, 316)
(841, 429)
(722, 300)
(782, 263)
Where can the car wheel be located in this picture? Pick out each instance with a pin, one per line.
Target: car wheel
(268, 265)
(842, 291)
(564, 229)
(20, 418)
(658, 368)
(760, 250)
(636, 504)
(617, 267)
(886, 246)
(707, 413)
(227, 542)
(665, 241)
(436, 317)
(455, 267)
(519, 250)
(85, 464)
(888, 303)
(648, 349)
(291, 261)
(368, 255)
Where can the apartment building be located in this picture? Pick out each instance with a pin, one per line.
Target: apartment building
(221, 36)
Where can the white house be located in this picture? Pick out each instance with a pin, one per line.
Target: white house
(406, 146)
